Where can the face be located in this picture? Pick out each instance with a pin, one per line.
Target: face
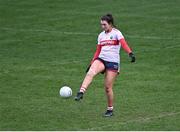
(105, 25)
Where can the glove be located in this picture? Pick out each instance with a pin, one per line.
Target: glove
(132, 56)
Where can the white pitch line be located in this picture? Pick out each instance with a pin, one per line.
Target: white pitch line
(88, 33)
(85, 60)
(152, 37)
(70, 61)
(140, 119)
(81, 60)
(119, 15)
(50, 31)
(159, 48)
(81, 33)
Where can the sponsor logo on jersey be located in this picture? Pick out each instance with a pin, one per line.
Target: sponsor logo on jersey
(111, 42)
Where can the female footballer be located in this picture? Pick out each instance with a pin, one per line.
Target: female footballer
(106, 60)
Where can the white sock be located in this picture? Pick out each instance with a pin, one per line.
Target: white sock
(82, 89)
(110, 108)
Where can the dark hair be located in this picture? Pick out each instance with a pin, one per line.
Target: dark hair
(109, 19)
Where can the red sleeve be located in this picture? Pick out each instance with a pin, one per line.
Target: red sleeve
(125, 45)
(96, 54)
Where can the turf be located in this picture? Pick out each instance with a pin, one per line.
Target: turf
(47, 44)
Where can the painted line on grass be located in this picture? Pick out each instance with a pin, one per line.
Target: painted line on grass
(139, 119)
(85, 60)
(119, 15)
(82, 33)
(87, 33)
(48, 31)
(70, 61)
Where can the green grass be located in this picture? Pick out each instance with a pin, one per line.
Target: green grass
(46, 44)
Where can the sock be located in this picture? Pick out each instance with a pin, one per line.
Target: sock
(110, 108)
(82, 89)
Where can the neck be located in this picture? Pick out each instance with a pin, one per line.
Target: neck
(109, 30)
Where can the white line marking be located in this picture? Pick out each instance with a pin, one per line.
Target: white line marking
(120, 15)
(81, 33)
(70, 61)
(140, 119)
(85, 60)
(159, 48)
(87, 33)
(48, 31)
(152, 37)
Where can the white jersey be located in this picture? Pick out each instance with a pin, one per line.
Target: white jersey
(110, 45)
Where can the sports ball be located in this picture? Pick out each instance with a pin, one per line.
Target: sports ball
(65, 92)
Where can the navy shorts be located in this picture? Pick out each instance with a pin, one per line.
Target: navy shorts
(112, 66)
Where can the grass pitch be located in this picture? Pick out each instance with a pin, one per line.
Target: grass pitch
(46, 44)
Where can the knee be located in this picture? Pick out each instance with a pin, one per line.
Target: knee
(108, 88)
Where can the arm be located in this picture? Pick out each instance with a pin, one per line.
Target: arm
(127, 49)
(125, 45)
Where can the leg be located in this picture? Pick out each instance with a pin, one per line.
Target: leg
(110, 77)
(95, 68)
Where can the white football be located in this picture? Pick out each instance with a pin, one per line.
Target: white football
(65, 92)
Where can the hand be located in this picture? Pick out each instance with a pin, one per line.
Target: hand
(132, 56)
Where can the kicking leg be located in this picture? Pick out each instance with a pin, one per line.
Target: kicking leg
(95, 68)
